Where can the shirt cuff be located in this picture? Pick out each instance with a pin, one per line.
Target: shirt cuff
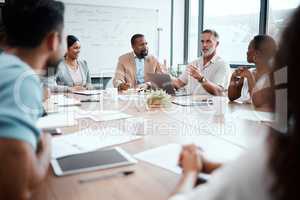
(118, 83)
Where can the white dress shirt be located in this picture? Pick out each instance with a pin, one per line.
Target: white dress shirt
(216, 71)
(76, 75)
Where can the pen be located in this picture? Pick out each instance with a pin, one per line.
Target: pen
(90, 100)
(103, 177)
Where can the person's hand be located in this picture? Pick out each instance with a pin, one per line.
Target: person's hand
(144, 86)
(190, 159)
(123, 86)
(236, 79)
(243, 72)
(44, 145)
(46, 93)
(194, 72)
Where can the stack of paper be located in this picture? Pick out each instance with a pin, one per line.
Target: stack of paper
(89, 140)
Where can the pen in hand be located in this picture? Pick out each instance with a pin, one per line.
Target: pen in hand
(103, 177)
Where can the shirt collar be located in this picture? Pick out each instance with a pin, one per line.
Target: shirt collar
(214, 58)
(212, 61)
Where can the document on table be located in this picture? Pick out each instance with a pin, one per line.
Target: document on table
(106, 115)
(88, 92)
(63, 109)
(167, 156)
(89, 140)
(56, 120)
(62, 100)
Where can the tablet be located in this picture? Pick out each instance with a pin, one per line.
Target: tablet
(95, 160)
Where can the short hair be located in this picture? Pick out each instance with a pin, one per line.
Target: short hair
(2, 29)
(134, 37)
(213, 32)
(260, 40)
(27, 22)
(265, 44)
(71, 39)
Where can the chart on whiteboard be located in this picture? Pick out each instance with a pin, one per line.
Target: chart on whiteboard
(104, 32)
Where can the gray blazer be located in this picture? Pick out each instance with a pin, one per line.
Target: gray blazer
(63, 80)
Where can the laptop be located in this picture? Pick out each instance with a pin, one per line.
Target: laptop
(164, 82)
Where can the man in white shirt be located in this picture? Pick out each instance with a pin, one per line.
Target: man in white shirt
(209, 74)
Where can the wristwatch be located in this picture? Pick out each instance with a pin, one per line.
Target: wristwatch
(202, 80)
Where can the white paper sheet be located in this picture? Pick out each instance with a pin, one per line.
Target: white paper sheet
(63, 109)
(62, 100)
(89, 140)
(56, 120)
(167, 156)
(107, 115)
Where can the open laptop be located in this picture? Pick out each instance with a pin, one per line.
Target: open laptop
(163, 81)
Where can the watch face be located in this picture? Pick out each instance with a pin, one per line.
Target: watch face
(202, 80)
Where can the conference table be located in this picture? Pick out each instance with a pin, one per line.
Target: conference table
(240, 128)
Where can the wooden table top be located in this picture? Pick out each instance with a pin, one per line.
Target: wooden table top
(176, 124)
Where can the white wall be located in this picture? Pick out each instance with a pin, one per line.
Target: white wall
(164, 7)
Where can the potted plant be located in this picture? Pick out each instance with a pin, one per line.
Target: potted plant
(158, 98)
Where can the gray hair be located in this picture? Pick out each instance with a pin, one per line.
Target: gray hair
(213, 32)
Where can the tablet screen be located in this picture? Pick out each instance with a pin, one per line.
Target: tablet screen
(100, 159)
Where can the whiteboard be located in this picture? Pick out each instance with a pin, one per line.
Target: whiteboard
(105, 32)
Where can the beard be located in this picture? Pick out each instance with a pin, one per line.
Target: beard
(209, 52)
(143, 54)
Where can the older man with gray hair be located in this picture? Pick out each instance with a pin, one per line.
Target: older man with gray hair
(209, 73)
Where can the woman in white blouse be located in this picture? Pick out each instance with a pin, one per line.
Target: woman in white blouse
(72, 73)
(271, 169)
(254, 85)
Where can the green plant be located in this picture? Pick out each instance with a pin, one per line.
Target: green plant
(158, 98)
